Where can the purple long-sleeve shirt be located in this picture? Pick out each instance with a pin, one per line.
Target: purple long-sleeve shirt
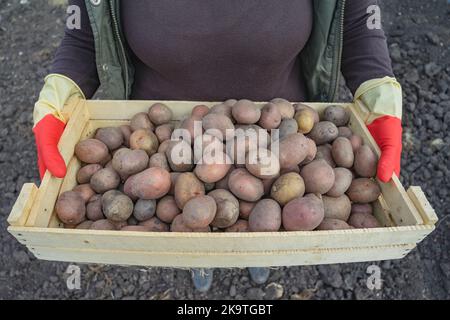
(215, 50)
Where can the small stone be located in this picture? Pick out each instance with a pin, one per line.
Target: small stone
(21, 257)
(331, 276)
(255, 294)
(432, 69)
(433, 38)
(274, 291)
(232, 292)
(395, 52)
(306, 294)
(54, 279)
(412, 75)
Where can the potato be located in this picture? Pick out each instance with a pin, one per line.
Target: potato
(230, 102)
(105, 161)
(337, 208)
(187, 186)
(199, 111)
(218, 125)
(70, 208)
(318, 176)
(345, 132)
(167, 209)
(141, 121)
(154, 225)
(300, 106)
(324, 152)
(192, 128)
(311, 153)
(207, 144)
(173, 179)
(103, 224)
(333, 224)
(240, 226)
(164, 146)
(342, 179)
(159, 160)
(104, 180)
(164, 132)
(127, 162)
(223, 109)
(144, 209)
(245, 186)
(363, 220)
(91, 151)
(85, 173)
(127, 188)
(336, 114)
(262, 163)
(365, 208)
(265, 216)
(227, 208)
(342, 152)
(179, 155)
(247, 137)
(199, 212)
(111, 136)
(118, 224)
(152, 183)
(303, 214)
(213, 168)
(323, 132)
(178, 225)
(132, 221)
(287, 127)
(116, 206)
(245, 112)
(143, 139)
(284, 107)
(356, 142)
(245, 208)
(305, 120)
(84, 225)
(365, 162)
(94, 208)
(270, 117)
(135, 228)
(159, 114)
(126, 133)
(363, 190)
(85, 190)
(292, 150)
(287, 187)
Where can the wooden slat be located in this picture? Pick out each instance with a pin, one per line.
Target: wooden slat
(425, 209)
(382, 212)
(48, 191)
(212, 259)
(22, 206)
(402, 209)
(219, 242)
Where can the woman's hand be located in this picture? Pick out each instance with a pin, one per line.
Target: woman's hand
(49, 123)
(383, 98)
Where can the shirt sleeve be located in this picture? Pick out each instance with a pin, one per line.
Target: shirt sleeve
(75, 57)
(365, 54)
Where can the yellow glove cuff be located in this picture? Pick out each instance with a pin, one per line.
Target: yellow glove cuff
(56, 92)
(382, 96)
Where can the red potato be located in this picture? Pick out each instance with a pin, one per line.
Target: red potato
(85, 190)
(199, 111)
(179, 155)
(70, 208)
(103, 224)
(365, 208)
(337, 207)
(303, 214)
(167, 209)
(262, 163)
(207, 145)
(245, 208)
(293, 149)
(323, 132)
(363, 190)
(311, 153)
(85, 173)
(159, 114)
(363, 220)
(127, 162)
(144, 209)
(154, 225)
(141, 121)
(199, 212)
(285, 108)
(178, 225)
(164, 132)
(144, 139)
(245, 186)
(173, 179)
(337, 115)
(223, 109)
(345, 132)
(213, 168)
(126, 132)
(187, 186)
(104, 180)
(318, 177)
(91, 151)
(342, 152)
(240, 226)
(116, 206)
(356, 142)
(192, 128)
(365, 162)
(112, 137)
(218, 125)
(342, 179)
(84, 225)
(324, 152)
(245, 112)
(159, 160)
(94, 210)
(223, 183)
(270, 117)
(152, 183)
(265, 216)
(333, 224)
(164, 146)
(227, 208)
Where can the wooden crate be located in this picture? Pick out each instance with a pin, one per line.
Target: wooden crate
(407, 217)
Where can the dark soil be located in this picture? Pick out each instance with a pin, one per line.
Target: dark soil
(418, 34)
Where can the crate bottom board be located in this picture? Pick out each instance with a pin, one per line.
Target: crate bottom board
(222, 260)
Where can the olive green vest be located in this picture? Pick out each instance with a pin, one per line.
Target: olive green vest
(320, 58)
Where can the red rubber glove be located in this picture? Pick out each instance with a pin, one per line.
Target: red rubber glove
(387, 132)
(47, 133)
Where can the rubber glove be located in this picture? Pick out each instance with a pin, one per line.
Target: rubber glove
(49, 122)
(383, 98)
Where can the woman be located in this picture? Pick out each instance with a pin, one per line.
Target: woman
(216, 50)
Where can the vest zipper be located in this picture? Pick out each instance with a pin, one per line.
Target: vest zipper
(122, 49)
(339, 54)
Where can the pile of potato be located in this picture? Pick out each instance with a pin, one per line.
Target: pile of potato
(320, 178)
